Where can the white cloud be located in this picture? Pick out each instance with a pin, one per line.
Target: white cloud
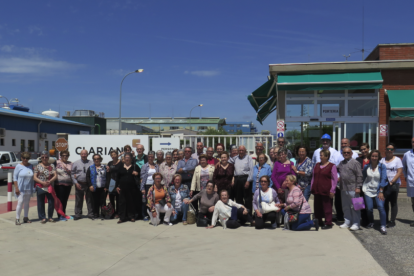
(203, 73)
(34, 65)
(35, 30)
(7, 48)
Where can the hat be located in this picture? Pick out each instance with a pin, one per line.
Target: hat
(326, 136)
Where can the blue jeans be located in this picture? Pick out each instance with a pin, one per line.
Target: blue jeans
(41, 206)
(369, 206)
(304, 222)
(182, 212)
(307, 192)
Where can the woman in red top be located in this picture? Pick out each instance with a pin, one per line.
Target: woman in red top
(323, 184)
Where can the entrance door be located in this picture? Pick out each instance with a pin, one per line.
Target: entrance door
(313, 131)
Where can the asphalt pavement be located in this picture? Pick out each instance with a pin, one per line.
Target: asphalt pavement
(394, 251)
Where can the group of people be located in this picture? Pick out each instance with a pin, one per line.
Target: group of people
(232, 188)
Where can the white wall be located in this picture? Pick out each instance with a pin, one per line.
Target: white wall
(23, 135)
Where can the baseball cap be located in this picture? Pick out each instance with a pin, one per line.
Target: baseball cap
(326, 136)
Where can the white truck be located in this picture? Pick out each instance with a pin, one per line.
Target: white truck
(9, 159)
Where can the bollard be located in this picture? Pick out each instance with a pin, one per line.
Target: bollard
(9, 190)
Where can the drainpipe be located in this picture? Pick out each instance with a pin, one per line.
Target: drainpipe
(99, 128)
(38, 136)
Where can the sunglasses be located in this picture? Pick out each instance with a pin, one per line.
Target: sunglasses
(390, 149)
(346, 152)
(45, 158)
(96, 159)
(25, 158)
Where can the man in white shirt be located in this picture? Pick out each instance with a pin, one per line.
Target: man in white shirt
(259, 150)
(345, 143)
(200, 151)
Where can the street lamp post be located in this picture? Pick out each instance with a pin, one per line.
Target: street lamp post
(200, 105)
(120, 95)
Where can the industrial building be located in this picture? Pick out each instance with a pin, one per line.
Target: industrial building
(112, 128)
(25, 131)
(244, 127)
(96, 120)
(158, 124)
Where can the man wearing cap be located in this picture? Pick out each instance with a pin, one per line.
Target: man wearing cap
(335, 158)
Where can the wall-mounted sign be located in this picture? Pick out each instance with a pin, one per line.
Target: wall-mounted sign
(330, 111)
(383, 130)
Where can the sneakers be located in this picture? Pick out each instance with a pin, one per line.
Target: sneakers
(62, 219)
(316, 224)
(354, 227)
(273, 226)
(185, 223)
(370, 225)
(391, 224)
(146, 218)
(344, 226)
(383, 230)
(167, 223)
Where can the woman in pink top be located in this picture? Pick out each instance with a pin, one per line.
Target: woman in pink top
(296, 202)
(282, 168)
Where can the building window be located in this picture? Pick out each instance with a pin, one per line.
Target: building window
(202, 128)
(22, 145)
(401, 133)
(47, 145)
(303, 108)
(2, 142)
(174, 127)
(238, 125)
(362, 133)
(231, 125)
(31, 145)
(13, 142)
(362, 108)
(334, 106)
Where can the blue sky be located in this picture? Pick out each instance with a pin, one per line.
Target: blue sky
(66, 55)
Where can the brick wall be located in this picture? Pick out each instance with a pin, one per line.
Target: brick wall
(396, 52)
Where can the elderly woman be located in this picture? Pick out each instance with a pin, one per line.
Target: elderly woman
(261, 169)
(127, 149)
(23, 187)
(64, 180)
(394, 170)
(268, 196)
(168, 169)
(219, 151)
(159, 201)
(175, 156)
(208, 199)
(179, 194)
(96, 177)
(281, 169)
(230, 214)
(374, 177)
(113, 168)
(323, 186)
(126, 186)
(44, 176)
(160, 157)
(203, 173)
(223, 175)
(147, 171)
(296, 202)
(304, 170)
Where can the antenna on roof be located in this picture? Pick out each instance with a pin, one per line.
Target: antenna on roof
(346, 57)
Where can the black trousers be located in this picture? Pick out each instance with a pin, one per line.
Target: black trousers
(195, 203)
(338, 205)
(98, 200)
(260, 222)
(241, 219)
(392, 199)
(243, 196)
(208, 215)
(114, 200)
(63, 192)
(127, 204)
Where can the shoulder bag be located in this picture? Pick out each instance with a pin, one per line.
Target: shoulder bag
(293, 215)
(267, 207)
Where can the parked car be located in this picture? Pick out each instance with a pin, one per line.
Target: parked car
(9, 159)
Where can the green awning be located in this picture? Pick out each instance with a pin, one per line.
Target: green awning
(262, 94)
(401, 103)
(340, 81)
(266, 109)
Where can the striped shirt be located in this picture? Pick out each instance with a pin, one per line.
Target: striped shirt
(243, 166)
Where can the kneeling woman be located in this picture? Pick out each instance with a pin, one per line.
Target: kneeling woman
(296, 202)
(159, 201)
(208, 199)
(230, 214)
(179, 194)
(268, 196)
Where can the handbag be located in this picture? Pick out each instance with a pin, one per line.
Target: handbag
(358, 203)
(267, 207)
(390, 189)
(191, 215)
(294, 215)
(107, 210)
(203, 221)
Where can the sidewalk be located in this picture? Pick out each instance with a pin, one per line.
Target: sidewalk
(87, 247)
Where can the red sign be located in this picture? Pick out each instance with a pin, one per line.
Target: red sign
(383, 130)
(280, 125)
(61, 144)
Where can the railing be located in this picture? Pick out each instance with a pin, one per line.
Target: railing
(249, 141)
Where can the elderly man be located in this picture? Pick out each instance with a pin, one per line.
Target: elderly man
(78, 174)
(210, 159)
(141, 158)
(186, 167)
(243, 172)
(346, 143)
(160, 157)
(200, 151)
(350, 183)
(408, 170)
(259, 150)
(281, 142)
